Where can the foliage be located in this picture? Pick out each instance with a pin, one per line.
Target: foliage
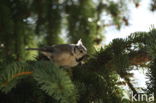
(153, 5)
(10, 77)
(31, 23)
(55, 82)
(95, 81)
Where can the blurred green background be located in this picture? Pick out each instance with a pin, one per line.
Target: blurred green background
(37, 23)
(34, 23)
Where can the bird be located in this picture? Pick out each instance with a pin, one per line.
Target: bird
(64, 55)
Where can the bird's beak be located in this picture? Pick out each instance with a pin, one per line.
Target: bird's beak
(86, 56)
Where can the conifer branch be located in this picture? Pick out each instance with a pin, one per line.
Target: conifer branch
(55, 82)
(15, 76)
(12, 74)
(21, 74)
(130, 85)
(139, 58)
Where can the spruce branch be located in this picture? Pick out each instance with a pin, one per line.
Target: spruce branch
(139, 58)
(121, 54)
(55, 82)
(127, 80)
(12, 75)
(15, 76)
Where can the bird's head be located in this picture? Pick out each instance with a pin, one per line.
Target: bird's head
(80, 50)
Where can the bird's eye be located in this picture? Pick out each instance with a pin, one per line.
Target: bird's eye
(81, 51)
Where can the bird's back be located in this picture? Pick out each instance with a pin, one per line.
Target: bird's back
(63, 48)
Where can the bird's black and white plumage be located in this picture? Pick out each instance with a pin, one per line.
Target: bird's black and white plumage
(65, 55)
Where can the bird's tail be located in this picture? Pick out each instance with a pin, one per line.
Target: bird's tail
(38, 49)
(44, 49)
